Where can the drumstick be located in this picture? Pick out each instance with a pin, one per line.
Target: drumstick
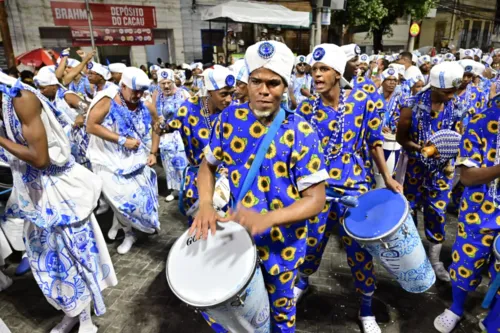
(429, 151)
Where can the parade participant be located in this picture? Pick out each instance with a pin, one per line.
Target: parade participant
(154, 86)
(289, 183)
(263, 35)
(347, 122)
(436, 60)
(67, 252)
(72, 75)
(277, 36)
(352, 52)
(116, 71)
(477, 54)
(406, 59)
(198, 83)
(449, 57)
(364, 63)
(173, 157)
(393, 99)
(229, 43)
(478, 161)
(301, 81)
(122, 151)
(421, 116)
(496, 59)
(466, 54)
(98, 76)
(180, 80)
(71, 111)
(194, 121)
(424, 64)
(240, 71)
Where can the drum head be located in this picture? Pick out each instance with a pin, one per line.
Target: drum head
(379, 213)
(496, 247)
(206, 273)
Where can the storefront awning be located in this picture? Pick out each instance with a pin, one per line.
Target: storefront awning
(256, 12)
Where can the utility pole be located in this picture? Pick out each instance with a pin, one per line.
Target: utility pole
(89, 17)
(5, 33)
(319, 5)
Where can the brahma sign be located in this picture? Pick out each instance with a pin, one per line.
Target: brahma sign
(74, 14)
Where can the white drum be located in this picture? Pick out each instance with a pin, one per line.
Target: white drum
(221, 276)
(392, 150)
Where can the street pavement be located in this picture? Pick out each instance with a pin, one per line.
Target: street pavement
(143, 303)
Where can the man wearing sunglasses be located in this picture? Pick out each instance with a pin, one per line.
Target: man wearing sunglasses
(301, 81)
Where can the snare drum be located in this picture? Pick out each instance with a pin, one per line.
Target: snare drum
(221, 276)
(392, 150)
(382, 223)
(496, 249)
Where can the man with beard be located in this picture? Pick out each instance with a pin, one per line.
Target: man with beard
(347, 123)
(301, 81)
(240, 72)
(55, 197)
(424, 64)
(289, 185)
(425, 184)
(122, 151)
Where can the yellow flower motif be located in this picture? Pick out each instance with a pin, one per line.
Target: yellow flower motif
(187, 131)
(264, 184)
(303, 152)
(314, 164)
(227, 130)
(288, 138)
(477, 197)
(291, 322)
(487, 240)
(276, 204)
(276, 235)
(493, 126)
(288, 254)
(271, 151)
(306, 109)
(193, 99)
(292, 192)
(175, 124)
(312, 241)
(374, 123)
(195, 142)
(182, 111)
(464, 272)
(358, 121)
(320, 115)
(455, 256)
(305, 128)
(360, 276)
(249, 200)
(335, 173)
(203, 133)
(492, 154)
(359, 96)
(263, 252)
(235, 177)
(241, 114)
(249, 162)
(470, 250)
(467, 145)
(275, 270)
(301, 232)
(193, 121)
(348, 108)
(227, 158)
(357, 170)
(370, 106)
(348, 135)
(280, 169)
(487, 207)
(257, 129)
(238, 145)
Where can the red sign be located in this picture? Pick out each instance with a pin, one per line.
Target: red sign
(112, 36)
(75, 14)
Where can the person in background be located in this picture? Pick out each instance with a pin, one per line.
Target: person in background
(301, 81)
(153, 87)
(144, 69)
(13, 72)
(229, 45)
(263, 35)
(198, 83)
(424, 64)
(98, 77)
(116, 70)
(27, 78)
(352, 52)
(277, 36)
(70, 72)
(240, 73)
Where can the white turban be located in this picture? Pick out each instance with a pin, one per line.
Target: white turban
(117, 67)
(198, 65)
(495, 52)
(165, 74)
(374, 57)
(308, 58)
(400, 69)
(240, 71)
(331, 55)
(389, 72)
(46, 76)
(351, 51)
(154, 68)
(135, 79)
(364, 58)
(472, 67)
(436, 60)
(99, 69)
(414, 78)
(300, 59)
(414, 58)
(423, 59)
(466, 53)
(218, 77)
(487, 59)
(449, 57)
(272, 55)
(185, 66)
(389, 58)
(181, 75)
(446, 75)
(70, 62)
(412, 72)
(477, 52)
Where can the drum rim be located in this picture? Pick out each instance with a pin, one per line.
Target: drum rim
(240, 290)
(496, 247)
(386, 234)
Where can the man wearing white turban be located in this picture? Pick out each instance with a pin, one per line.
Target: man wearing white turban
(425, 184)
(292, 163)
(98, 76)
(122, 151)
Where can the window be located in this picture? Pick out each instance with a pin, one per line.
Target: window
(486, 36)
(475, 33)
(463, 34)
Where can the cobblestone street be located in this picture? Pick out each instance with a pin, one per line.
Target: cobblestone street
(143, 303)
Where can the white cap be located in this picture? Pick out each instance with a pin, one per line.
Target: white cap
(495, 52)
(240, 71)
(154, 68)
(414, 78)
(477, 52)
(218, 77)
(181, 75)
(389, 58)
(351, 51)
(117, 67)
(185, 66)
(472, 67)
(308, 58)
(414, 57)
(446, 75)
(436, 60)
(272, 55)
(449, 57)
(423, 59)
(46, 76)
(374, 57)
(389, 72)
(466, 53)
(99, 69)
(241, 42)
(331, 55)
(300, 59)
(400, 69)
(198, 65)
(165, 74)
(135, 79)
(487, 59)
(364, 58)
(412, 72)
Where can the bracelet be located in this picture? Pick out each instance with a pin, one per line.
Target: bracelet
(122, 140)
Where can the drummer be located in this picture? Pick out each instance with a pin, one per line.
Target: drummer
(354, 114)
(289, 185)
(478, 221)
(422, 116)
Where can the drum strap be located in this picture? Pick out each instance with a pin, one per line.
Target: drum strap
(261, 152)
(492, 291)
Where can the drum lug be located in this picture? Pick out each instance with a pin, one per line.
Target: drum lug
(405, 231)
(240, 300)
(384, 244)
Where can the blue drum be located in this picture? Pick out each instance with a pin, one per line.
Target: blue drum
(496, 249)
(382, 223)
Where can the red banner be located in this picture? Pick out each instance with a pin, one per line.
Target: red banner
(112, 36)
(74, 14)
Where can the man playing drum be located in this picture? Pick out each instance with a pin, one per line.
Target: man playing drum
(289, 182)
(346, 121)
(422, 116)
(479, 218)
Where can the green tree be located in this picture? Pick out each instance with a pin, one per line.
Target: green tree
(377, 16)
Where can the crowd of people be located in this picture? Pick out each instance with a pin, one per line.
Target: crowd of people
(83, 137)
